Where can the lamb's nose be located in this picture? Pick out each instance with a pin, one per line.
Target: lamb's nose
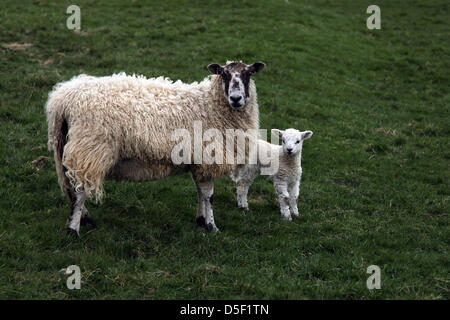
(289, 150)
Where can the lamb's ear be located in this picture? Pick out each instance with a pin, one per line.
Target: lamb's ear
(307, 134)
(256, 67)
(277, 132)
(215, 68)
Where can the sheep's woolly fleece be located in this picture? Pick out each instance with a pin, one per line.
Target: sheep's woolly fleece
(120, 126)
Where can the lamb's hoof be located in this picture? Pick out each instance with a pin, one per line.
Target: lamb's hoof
(72, 233)
(212, 228)
(246, 209)
(86, 220)
(201, 221)
(289, 218)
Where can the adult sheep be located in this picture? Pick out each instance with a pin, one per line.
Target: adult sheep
(120, 127)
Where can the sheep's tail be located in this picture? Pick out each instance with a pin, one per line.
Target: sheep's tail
(57, 138)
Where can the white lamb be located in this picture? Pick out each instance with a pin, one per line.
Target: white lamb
(287, 178)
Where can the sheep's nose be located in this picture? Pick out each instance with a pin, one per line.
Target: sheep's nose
(235, 99)
(289, 150)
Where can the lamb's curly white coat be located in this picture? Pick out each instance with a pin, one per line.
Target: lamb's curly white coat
(286, 179)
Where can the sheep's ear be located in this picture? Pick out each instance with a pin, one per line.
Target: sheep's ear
(215, 68)
(277, 132)
(307, 134)
(256, 67)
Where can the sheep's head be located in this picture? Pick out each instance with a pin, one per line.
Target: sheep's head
(292, 139)
(235, 80)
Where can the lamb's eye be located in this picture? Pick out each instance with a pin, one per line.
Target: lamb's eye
(298, 141)
(284, 141)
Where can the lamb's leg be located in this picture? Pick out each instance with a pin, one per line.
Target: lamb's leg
(76, 211)
(245, 178)
(281, 189)
(206, 190)
(241, 194)
(293, 190)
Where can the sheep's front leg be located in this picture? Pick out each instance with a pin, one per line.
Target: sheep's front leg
(205, 210)
(294, 190)
(281, 189)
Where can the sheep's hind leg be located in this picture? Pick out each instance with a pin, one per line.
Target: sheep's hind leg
(206, 199)
(200, 219)
(77, 200)
(86, 218)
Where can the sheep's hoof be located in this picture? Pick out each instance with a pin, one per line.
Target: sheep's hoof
(72, 233)
(212, 228)
(246, 209)
(201, 221)
(289, 218)
(86, 220)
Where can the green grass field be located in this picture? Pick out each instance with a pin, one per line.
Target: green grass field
(375, 186)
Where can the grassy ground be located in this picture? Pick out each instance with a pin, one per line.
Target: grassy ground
(376, 172)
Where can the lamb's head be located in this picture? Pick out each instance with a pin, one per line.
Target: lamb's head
(235, 80)
(292, 139)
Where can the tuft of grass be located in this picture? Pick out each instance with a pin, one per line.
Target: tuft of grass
(375, 186)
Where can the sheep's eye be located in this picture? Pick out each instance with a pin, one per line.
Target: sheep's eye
(226, 75)
(298, 141)
(284, 141)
